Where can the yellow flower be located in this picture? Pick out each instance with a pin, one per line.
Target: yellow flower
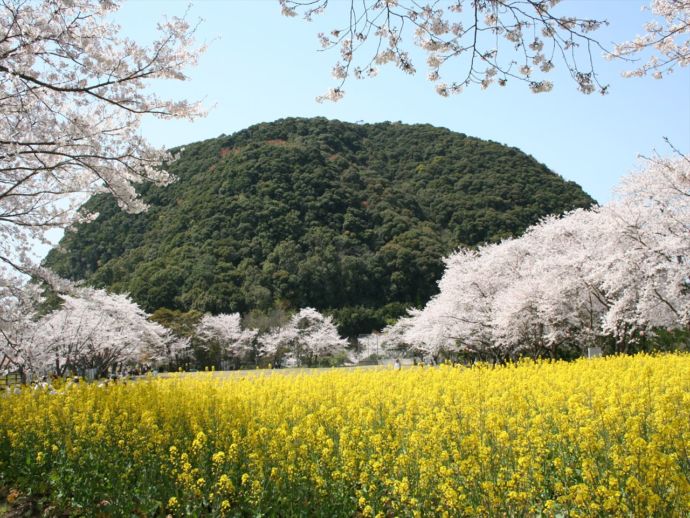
(578, 439)
(224, 484)
(218, 457)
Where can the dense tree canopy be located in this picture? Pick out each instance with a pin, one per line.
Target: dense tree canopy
(351, 218)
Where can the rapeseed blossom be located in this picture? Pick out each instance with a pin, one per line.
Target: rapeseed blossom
(603, 437)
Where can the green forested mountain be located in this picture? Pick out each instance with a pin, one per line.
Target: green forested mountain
(349, 218)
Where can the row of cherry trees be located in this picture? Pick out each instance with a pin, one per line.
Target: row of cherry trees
(308, 338)
(614, 276)
(93, 331)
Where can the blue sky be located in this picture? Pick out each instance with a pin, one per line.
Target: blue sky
(261, 66)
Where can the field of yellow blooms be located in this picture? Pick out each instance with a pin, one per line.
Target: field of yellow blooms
(605, 437)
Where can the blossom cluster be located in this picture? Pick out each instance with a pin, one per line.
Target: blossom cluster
(664, 44)
(492, 42)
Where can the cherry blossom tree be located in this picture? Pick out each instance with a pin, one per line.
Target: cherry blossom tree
(72, 96)
(317, 337)
(609, 275)
(225, 332)
(553, 304)
(651, 279)
(276, 345)
(615, 272)
(20, 348)
(665, 37)
(460, 317)
(92, 330)
(393, 336)
(492, 41)
(309, 337)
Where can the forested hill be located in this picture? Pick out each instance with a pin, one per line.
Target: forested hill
(313, 212)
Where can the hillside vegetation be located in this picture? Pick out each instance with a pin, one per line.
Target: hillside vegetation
(353, 219)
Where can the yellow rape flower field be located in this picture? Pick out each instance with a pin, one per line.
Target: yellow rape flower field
(604, 437)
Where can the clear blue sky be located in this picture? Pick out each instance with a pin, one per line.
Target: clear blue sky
(261, 66)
